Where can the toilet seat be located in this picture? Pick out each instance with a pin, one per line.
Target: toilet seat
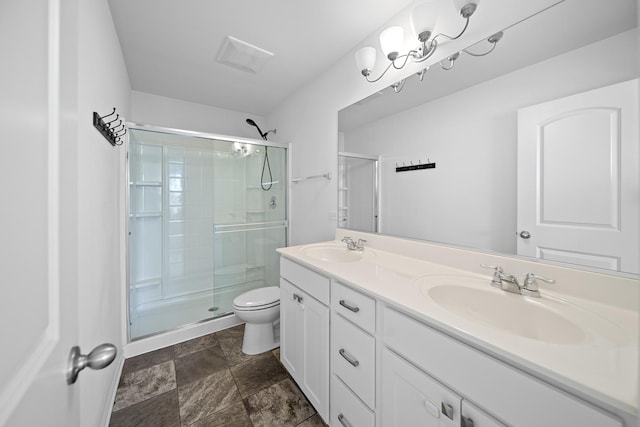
(258, 299)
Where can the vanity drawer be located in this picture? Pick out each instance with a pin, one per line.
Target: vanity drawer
(346, 409)
(357, 307)
(309, 281)
(476, 374)
(353, 358)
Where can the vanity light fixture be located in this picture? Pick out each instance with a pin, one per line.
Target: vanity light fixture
(423, 21)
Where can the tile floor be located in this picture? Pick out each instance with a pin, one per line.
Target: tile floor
(208, 381)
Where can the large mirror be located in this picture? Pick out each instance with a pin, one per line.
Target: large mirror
(535, 145)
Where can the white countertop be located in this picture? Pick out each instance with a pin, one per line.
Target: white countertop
(602, 366)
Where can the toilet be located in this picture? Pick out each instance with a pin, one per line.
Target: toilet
(260, 309)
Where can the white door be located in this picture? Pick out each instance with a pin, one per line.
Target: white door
(316, 353)
(291, 330)
(578, 195)
(38, 306)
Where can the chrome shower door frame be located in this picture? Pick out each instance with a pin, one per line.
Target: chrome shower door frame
(195, 134)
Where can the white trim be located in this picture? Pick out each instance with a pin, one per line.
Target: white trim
(205, 135)
(17, 386)
(53, 190)
(106, 417)
(358, 156)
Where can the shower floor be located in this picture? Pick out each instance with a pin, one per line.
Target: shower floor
(153, 318)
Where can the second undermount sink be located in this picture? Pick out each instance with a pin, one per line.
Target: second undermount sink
(332, 253)
(507, 312)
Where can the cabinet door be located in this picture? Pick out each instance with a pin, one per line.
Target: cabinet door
(412, 398)
(315, 353)
(472, 416)
(291, 330)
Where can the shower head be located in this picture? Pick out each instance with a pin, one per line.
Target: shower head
(263, 135)
(252, 123)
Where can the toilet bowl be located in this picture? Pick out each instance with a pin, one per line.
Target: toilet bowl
(259, 309)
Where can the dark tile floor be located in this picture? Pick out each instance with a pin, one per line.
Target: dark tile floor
(208, 381)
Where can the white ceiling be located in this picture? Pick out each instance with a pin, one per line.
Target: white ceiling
(170, 46)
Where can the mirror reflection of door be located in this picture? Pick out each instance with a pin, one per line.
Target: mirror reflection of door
(358, 192)
(578, 195)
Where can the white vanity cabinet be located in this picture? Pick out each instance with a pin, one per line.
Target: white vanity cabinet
(411, 397)
(304, 331)
(513, 396)
(353, 361)
(363, 359)
(472, 416)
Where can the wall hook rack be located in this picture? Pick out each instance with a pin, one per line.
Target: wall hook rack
(112, 131)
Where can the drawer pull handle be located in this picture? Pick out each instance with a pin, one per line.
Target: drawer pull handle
(348, 358)
(297, 297)
(349, 307)
(467, 422)
(343, 421)
(447, 409)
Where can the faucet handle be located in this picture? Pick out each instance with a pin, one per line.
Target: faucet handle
(497, 274)
(497, 268)
(531, 284)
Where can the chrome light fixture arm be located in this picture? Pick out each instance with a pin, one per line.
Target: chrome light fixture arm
(428, 44)
(367, 72)
(493, 40)
(466, 25)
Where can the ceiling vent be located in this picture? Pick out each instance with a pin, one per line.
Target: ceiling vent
(243, 56)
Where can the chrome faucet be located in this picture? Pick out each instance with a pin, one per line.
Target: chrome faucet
(509, 282)
(353, 246)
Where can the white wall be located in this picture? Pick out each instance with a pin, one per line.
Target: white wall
(309, 118)
(103, 83)
(470, 198)
(159, 110)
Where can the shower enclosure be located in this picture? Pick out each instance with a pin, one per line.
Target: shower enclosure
(206, 213)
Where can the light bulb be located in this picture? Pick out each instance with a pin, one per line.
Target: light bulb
(466, 8)
(392, 41)
(423, 19)
(365, 59)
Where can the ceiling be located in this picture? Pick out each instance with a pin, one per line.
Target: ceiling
(170, 46)
(549, 33)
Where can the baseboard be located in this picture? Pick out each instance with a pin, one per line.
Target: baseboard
(114, 389)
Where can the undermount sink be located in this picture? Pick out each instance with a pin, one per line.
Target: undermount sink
(507, 312)
(330, 253)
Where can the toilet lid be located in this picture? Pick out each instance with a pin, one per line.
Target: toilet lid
(258, 297)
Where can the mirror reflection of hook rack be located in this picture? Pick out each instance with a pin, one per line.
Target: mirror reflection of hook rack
(112, 131)
(412, 167)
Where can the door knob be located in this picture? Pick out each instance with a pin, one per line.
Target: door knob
(525, 234)
(99, 358)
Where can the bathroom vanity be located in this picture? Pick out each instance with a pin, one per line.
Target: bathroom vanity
(408, 333)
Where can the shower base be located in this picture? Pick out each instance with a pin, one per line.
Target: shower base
(165, 315)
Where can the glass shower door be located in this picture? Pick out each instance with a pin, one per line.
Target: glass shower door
(183, 268)
(248, 230)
